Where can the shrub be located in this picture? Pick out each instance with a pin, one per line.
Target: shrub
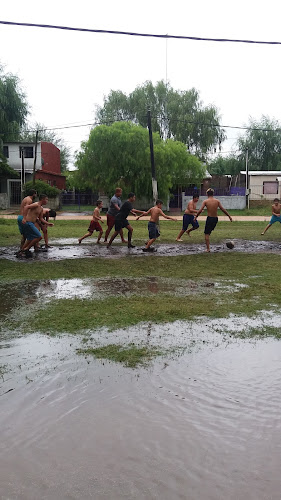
(41, 188)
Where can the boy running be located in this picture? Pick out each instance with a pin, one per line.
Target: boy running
(275, 214)
(114, 207)
(188, 218)
(95, 224)
(121, 220)
(153, 224)
(212, 205)
(32, 235)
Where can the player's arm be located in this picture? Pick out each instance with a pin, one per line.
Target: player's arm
(166, 216)
(135, 212)
(144, 214)
(225, 211)
(200, 209)
(116, 206)
(43, 221)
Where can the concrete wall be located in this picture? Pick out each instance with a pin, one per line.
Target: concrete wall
(3, 201)
(228, 202)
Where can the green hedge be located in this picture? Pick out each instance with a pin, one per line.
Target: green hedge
(41, 188)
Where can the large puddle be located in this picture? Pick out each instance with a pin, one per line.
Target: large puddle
(37, 293)
(202, 424)
(67, 248)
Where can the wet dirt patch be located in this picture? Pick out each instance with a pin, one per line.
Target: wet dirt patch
(36, 293)
(67, 248)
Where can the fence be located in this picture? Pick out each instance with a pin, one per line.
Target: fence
(76, 202)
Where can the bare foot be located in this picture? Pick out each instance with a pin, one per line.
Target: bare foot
(207, 250)
(179, 239)
(262, 234)
(79, 241)
(124, 241)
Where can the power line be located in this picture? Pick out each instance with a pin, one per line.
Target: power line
(115, 32)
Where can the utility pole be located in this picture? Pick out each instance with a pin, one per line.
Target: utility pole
(22, 177)
(153, 173)
(247, 181)
(35, 158)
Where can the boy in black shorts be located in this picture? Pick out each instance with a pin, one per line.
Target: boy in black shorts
(212, 205)
(121, 220)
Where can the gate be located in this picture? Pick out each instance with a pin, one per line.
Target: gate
(14, 192)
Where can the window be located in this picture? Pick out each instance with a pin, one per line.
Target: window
(28, 151)
(270, 187)
(6, 151)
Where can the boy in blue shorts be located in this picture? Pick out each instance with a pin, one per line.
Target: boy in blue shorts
(275, 214)
(32, 235)
(153, 224)
(188, 218)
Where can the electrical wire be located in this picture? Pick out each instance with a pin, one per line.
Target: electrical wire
(129, 33)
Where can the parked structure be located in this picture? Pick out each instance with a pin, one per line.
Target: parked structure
(21, 157)
(263, 184)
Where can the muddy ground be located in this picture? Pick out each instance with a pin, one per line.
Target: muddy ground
(68, 248)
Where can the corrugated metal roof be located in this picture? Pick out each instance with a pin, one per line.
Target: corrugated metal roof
(262, 172)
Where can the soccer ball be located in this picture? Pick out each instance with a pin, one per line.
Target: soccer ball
(230, 245)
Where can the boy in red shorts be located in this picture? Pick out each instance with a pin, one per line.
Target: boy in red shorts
(94, 225)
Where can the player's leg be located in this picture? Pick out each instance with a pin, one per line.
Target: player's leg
(89, 233)
(112, 238)
(184, 227)
(194, 225)
(267, 227)
(122, 237)
(130, 234)
(110, 220)
(99, 236)
(207, 241)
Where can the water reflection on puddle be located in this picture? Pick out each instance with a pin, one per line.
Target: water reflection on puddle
(205, 425)
(31, 290)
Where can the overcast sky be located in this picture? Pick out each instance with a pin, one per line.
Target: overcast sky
(65, 74)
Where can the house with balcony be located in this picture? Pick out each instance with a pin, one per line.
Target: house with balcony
(24, 160)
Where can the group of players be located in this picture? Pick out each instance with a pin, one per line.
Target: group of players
(117, 216)
(33, 218)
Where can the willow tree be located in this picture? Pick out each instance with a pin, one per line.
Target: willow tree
(13, 107)
(119, 154)
(174, 114)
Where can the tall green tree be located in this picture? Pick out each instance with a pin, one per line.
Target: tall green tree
(226, 166)
(263, 141)
(28, 134)
(119, 155)
(13, 107)
(175, 114)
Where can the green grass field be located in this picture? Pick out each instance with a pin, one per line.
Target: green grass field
(9, 234)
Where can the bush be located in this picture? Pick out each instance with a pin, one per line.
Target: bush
(41, 188)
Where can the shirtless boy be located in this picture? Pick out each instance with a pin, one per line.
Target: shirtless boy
(95, 223)
(276, 207)
(121, 220)
(153, 224)
(47, 212)
(212, 205)
(188, 218)
(26, 201)
(32, 235)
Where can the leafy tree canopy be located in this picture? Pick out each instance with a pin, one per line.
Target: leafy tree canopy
(263, 141)
(119, 155)
(175, 114)
(226, 166)
(28, 134)
(13, 107)
(41, 188)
